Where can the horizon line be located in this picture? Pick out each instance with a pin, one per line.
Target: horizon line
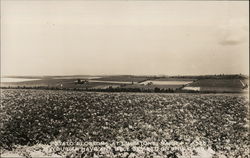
(165, 75)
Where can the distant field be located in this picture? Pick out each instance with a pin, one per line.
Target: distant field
(235, 83)
(219, 85)
(17, 79)
(221, 89)
(115, 82)
(42, 82)
(77, 77)
(153, 86)
(65, 83)
(126, 81)
(166, 82)
(123, 78)
(174, 79)
(89, 85)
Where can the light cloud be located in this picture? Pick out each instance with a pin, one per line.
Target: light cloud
(234, 33)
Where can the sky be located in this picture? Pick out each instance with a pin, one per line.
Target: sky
(65, 37)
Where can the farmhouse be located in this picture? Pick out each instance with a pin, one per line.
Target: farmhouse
(79, 81)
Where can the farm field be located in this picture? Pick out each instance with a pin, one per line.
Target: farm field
(69, 81)
(166, 82)
(219, 85)
(16, 80)
(189, 125)
(124, 78)
(174, 79)
(65, 83)
(129, 82)
(152, 87)
(138, 82)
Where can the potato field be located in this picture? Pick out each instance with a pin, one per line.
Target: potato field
(123, 124)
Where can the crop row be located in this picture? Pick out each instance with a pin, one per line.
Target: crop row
(219, 122)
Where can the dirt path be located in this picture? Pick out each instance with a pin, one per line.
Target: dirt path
(242, 83)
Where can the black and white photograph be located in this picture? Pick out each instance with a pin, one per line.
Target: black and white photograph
(124, 79)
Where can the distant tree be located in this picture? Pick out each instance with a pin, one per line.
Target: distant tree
(79, 81)
(157, 90)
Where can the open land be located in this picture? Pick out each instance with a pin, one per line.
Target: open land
(51, 115)
(203, 84)
(125, 124)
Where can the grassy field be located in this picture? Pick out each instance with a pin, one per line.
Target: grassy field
(124, 78)
(234, 83)
(65, 83)
(174, 79)
(219, 85)
(33, 120)
(100, 83)
(151, 87)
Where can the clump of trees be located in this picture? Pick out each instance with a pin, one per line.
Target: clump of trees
(109, 89)
(118, 89)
